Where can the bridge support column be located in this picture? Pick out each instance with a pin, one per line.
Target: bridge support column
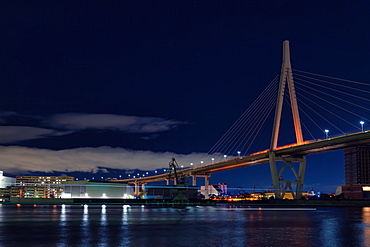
(194, 180)
(281, 186)
(136, 189)
(274, 175)
(206, 186)
(168, 181)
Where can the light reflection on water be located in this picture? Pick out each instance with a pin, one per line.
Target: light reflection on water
(93, 225)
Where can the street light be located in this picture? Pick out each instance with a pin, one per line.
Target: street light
(213, 159)
(225, 156)
(239, 153)
(362, 125)
(191, 164)
(201, 161)
(326, 133)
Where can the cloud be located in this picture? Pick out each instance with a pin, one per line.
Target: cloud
(16, 159)
(130, 124)
(4, 115)
(12, 134)
(67, 123)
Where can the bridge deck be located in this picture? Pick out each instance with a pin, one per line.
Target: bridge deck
(313, 147)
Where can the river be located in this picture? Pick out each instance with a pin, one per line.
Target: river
(113, 225)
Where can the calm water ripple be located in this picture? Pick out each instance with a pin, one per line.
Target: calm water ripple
(109, 225)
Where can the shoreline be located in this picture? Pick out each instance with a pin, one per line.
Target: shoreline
(169, 203)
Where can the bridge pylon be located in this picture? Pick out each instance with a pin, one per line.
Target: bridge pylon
(279, 184)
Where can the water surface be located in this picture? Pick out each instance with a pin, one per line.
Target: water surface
(72, 225)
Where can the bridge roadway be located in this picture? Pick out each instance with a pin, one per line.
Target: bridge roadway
(294, 150)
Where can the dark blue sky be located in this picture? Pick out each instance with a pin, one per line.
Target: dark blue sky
(160, 76)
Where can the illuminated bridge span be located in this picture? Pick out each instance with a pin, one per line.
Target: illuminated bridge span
(291, 156)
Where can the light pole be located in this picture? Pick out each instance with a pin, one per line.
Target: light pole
(201, 162)
(225, 156)
(327, 133)
(362, 125)
(239, 153)
(213, 159)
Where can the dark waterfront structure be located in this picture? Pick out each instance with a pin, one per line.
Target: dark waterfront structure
(357, 172)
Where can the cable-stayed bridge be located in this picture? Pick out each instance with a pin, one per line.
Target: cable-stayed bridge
(245, 134)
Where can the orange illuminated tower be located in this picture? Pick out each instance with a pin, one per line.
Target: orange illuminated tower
(286, 77)
(279, 184)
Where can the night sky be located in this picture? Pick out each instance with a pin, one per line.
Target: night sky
(100, 88)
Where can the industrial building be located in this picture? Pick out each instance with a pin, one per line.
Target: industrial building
(96, 189)
(357, 172)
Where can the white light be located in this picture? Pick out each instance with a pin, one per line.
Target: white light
(104, 195)
(86, 195)
(239, 153)
(147, 172)
(182, 166)
(164, 170)
(225, 156)
(201, 161)
(326, 131)
(362, 126)
(155, 172)
(191, 164)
